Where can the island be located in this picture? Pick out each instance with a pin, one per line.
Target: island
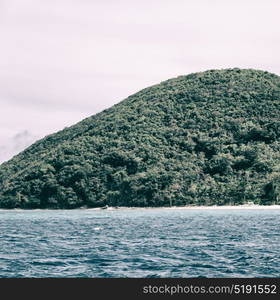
(207, 138)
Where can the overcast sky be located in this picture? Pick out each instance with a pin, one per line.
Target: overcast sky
(64, 60)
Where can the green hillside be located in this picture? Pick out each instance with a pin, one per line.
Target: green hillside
(205, 138)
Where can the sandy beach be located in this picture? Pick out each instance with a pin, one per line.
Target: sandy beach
(187, 207)
(213, 207)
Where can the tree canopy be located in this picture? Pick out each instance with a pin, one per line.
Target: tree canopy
(202, 139)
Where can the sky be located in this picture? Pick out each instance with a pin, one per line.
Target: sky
(64, 60)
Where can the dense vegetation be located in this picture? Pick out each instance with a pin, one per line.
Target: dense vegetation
(205, 138)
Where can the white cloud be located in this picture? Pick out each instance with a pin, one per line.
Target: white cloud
(16, 144)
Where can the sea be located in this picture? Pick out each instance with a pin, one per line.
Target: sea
(181, 243)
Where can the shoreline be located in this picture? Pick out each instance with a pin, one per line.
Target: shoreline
(187, 207)
(202, 207)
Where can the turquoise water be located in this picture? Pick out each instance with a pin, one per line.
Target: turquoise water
(140, 243)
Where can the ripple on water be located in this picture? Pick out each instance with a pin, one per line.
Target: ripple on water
(140, 243)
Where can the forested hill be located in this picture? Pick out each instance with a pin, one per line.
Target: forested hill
(205, 138)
